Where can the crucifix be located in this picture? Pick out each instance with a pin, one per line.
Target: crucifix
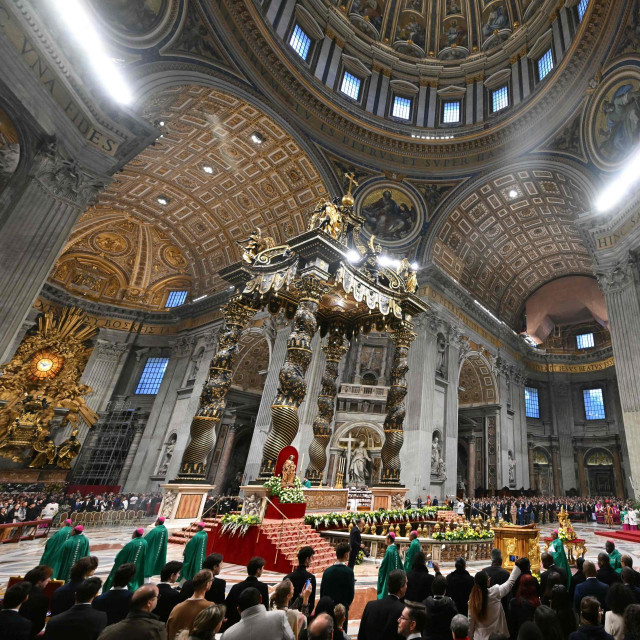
(348, 439)
(350, 176)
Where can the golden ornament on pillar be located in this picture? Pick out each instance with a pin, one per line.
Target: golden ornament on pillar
(44, 376)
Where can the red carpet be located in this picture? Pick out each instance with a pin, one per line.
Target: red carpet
(619, 534)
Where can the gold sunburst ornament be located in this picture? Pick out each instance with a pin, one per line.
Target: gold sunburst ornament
(44, 375)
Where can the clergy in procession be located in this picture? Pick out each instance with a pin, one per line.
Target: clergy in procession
(414, 548)
(556, 549)
(156, 555)
(194, 554)
(76, 546)
(51, 555)
(390, 562)
(133, 552)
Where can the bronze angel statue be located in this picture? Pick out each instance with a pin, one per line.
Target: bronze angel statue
(255, 244)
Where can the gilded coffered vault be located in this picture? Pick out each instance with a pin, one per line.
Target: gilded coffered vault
(217, 184)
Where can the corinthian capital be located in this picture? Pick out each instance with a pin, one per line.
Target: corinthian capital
(110, 351)
(616, 278)
(182, 346)
(64, 178)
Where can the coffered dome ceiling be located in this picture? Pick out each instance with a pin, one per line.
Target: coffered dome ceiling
(218, 185)
(511, 235)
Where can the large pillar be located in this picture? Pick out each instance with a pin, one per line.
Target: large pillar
(618, 471)
(263, 419)
(402, 337)
(555, 462)
(623, 304)
(224, 458)
(581, 477)
(334, 349)
(213, 398)
(532, 477)
(35, 225)
(471, 475)
(293, 387)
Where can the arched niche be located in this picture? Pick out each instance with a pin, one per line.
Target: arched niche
(599, 471)
(476, 383)
(346, 438)
(542, 471)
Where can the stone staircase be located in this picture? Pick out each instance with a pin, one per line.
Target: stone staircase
(292, 535)
(183, 536)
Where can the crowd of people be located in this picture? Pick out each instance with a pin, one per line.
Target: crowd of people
(414, 598)
(30, 506)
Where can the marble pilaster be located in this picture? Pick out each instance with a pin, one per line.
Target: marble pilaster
(532, 481)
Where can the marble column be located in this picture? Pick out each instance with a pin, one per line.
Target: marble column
(34, 226)
(617, 467)
(471, 471)
(581, 477)
(557, 478)
(263, 419)
(416, 471)
(562, 416)
(623, 304)
(532, 476)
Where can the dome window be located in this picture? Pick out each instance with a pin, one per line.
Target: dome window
(401, 107)
(500, 99)
(545, 64)
(451, 112)
(350, 85)
(582, 8)
(300, 42)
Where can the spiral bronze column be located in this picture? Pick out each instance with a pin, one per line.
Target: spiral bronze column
(402, 337)
(293, 387)
(334, 349)
(213, 399)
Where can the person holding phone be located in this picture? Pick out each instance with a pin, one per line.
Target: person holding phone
(301, 577)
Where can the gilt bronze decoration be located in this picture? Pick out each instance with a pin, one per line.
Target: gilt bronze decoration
(44, 378)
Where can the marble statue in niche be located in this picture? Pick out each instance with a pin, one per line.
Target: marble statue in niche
(512, 469)
(358, 465)
(438, 467)
(441, 356)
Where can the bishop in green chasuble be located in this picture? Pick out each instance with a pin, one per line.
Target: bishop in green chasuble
(134, 551)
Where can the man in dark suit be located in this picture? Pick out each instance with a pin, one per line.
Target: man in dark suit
(606, 573)
(380, 617)
(338, 581)
(301, 574)
(577, 578)
(115, 602)
(459, 585)
(550, 567)
(82, 620)
(254, 569)
(590, 587)
(213, 562)
(627, 561)
(65, 597)
(497, 573)
(12, 625)
(628, 580)
(36, 607)
(168, 597)
(355, 542)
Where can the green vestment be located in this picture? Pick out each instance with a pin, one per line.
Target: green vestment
(615, 559)
(414, 548)
(556, 549)
(194, 554)
(73, 548)
(51, 555)
(390, 562)
(156, 556)
(134, 551)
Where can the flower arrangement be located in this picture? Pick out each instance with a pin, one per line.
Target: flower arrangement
(360, 557)
(463, 533)
(566, 533)
(344, 519)
(237, 524)
(288, 495)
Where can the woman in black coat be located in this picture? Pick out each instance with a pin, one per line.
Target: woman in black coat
(419, 580)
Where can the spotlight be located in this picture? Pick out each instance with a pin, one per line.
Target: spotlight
(207, 169)
(353, 256)
(513, 194)
(257, 137)
(161, 123)
(163, 200)
(415, 266)
(621, 185)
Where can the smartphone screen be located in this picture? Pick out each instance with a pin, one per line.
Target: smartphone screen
(430, 564)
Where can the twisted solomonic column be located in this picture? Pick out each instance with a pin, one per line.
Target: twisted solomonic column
(402, 337)
(293, 387)
(213, 399)
(334, 349)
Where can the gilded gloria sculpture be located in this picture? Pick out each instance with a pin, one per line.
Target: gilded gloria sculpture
(44, 376)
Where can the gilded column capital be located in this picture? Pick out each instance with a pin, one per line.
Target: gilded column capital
(334, 348)
(403, 337)
(312, 288)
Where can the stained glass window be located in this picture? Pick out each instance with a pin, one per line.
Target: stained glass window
(531, 402)
(175, 299)
(401, 107)
(585, 341)
(545, 64)
(593, 404)
(152, 375)
(300, 42)
(350, 85)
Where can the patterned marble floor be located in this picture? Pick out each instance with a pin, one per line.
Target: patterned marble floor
(16, 559)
